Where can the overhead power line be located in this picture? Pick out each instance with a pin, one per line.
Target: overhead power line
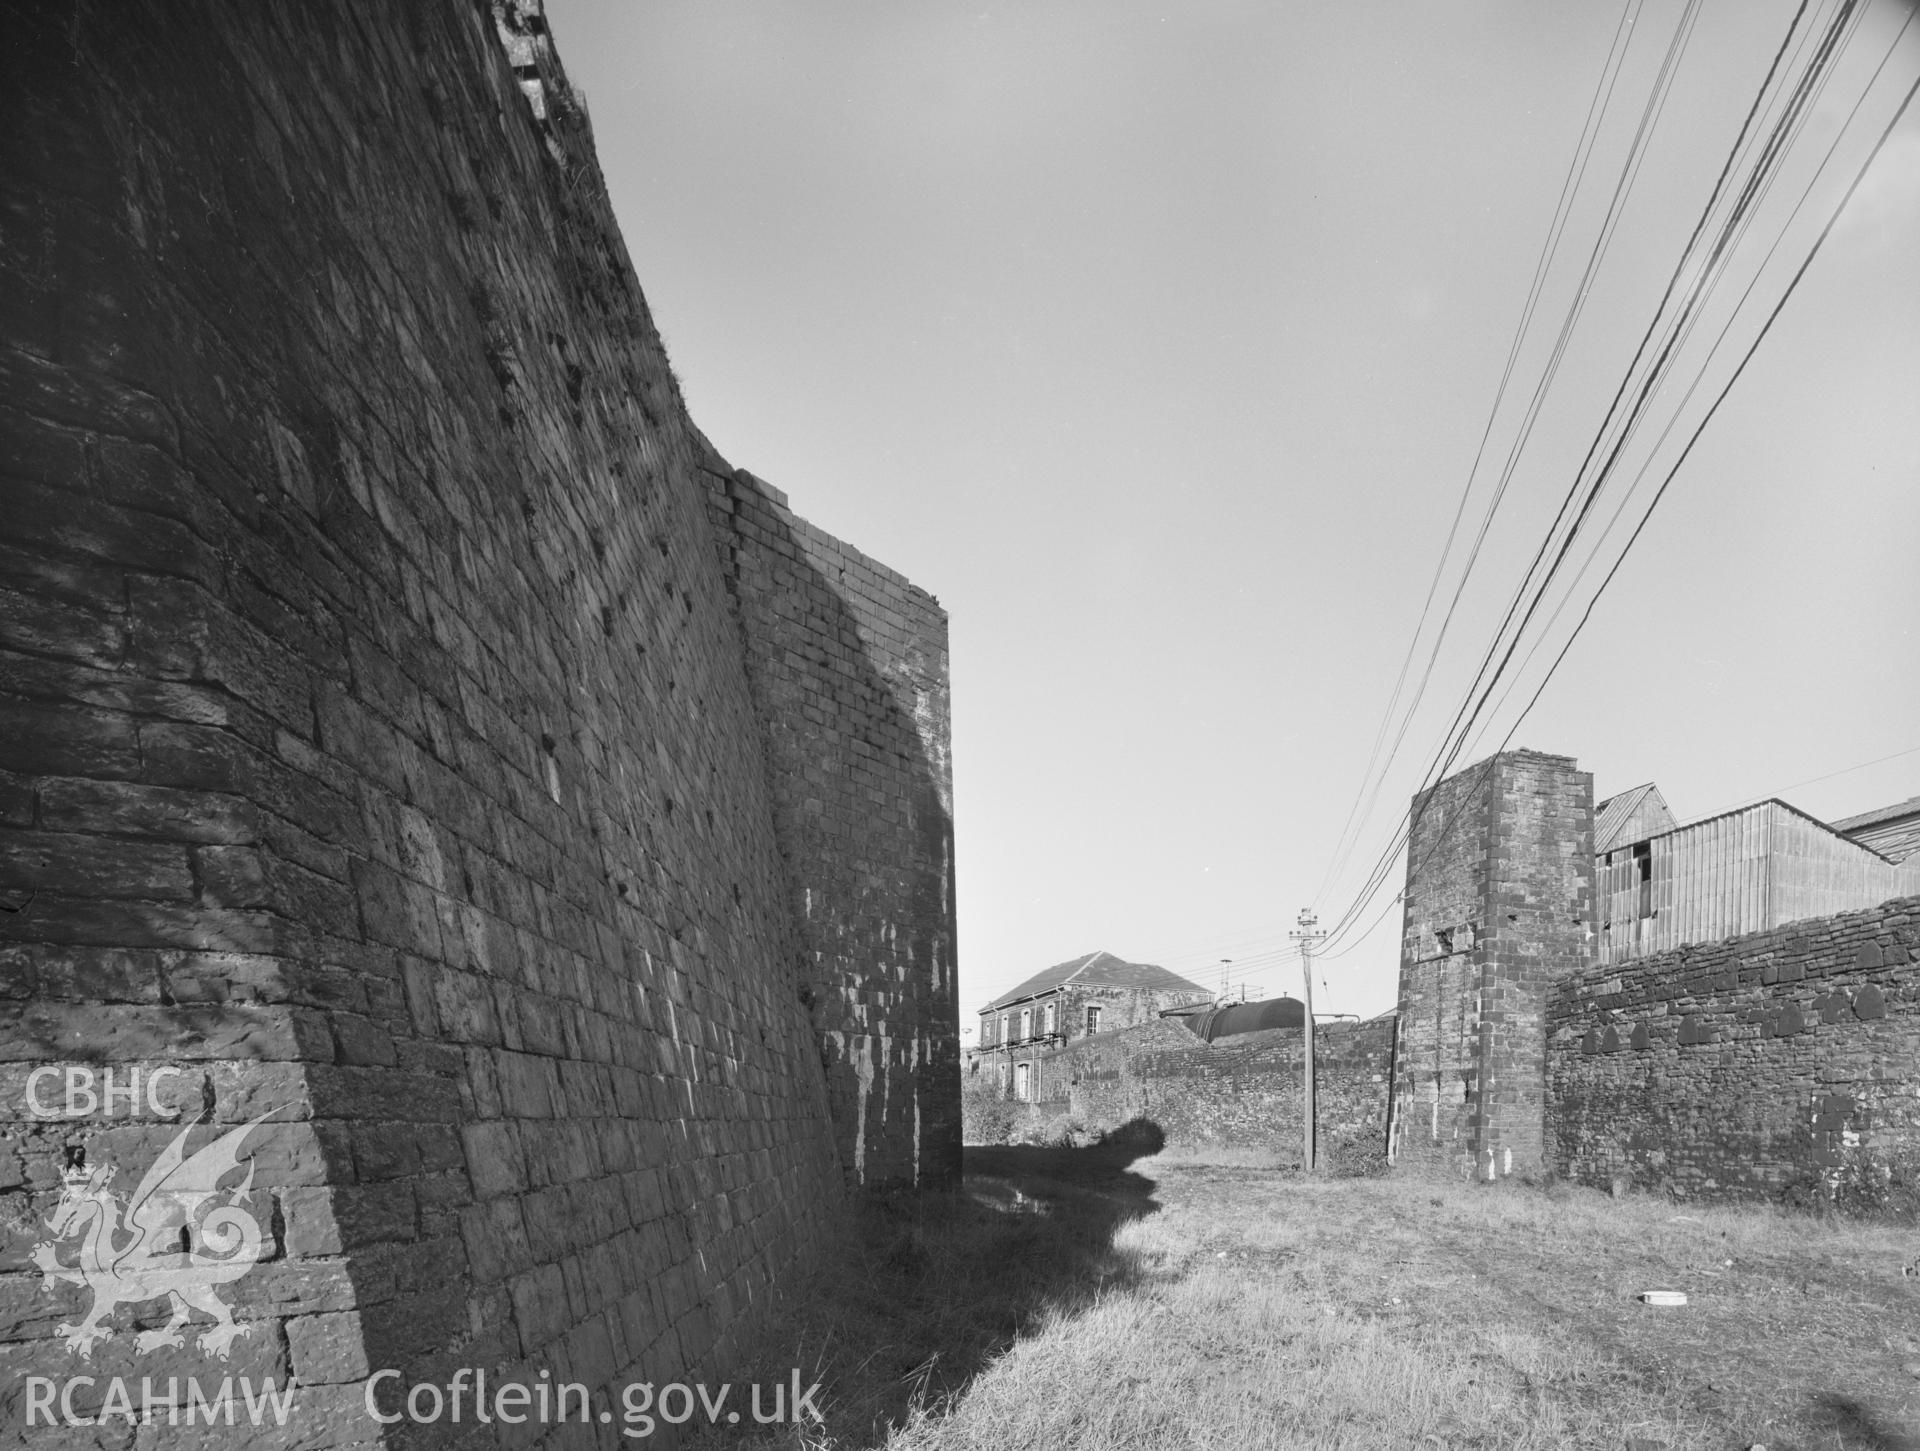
(1623, 184)
(1685, 334)
(1746, 358)
(1618, 426)
(1622, 187)
(1759, 148)
(1549, 249)
(1534, 583)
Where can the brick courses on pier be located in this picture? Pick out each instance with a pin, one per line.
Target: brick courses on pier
(1499, 905)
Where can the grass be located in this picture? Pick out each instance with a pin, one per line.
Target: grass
(1084, 1298)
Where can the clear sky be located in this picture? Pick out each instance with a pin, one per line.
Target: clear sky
(1158, 342)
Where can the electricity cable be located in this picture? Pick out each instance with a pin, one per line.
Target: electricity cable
(1719, 398)
(1650, 113)
(1549, 250)
(1484, 684)
(1739, 225)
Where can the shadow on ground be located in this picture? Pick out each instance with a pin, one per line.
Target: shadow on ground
(1857, 1426)
(1101, 1169)
(923, 1291)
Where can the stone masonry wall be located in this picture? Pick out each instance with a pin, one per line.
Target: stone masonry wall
(849, 668)
(1499, 906)
(1119, 1007)
(1238, 1093)
(380, 752)
(1736, 1068)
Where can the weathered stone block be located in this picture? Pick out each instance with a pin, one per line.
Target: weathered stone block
(327, 1349)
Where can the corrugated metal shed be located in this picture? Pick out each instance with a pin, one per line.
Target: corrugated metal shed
(1742, 871)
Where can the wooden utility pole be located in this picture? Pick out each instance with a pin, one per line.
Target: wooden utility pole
(1308, 939)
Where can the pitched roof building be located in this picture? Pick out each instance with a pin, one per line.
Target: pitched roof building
(1097, 969)
(1097, 993)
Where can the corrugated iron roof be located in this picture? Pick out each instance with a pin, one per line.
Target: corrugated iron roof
(1615, 817)
(1894, 812)
(1096, 969)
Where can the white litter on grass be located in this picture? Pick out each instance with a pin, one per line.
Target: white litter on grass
(1664, 1298)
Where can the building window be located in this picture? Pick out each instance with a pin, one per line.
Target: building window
(1006, 1029)
(1026, 1023)
(1643, 874)
(1023, 1082)
(1053, 1025)
(1093, 1019)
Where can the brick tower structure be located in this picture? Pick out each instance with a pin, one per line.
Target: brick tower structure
(1499, 905)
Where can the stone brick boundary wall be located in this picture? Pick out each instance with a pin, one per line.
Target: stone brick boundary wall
(1736, 1068)
(1244, 1092)
(378, 748)
(1237, 1093)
